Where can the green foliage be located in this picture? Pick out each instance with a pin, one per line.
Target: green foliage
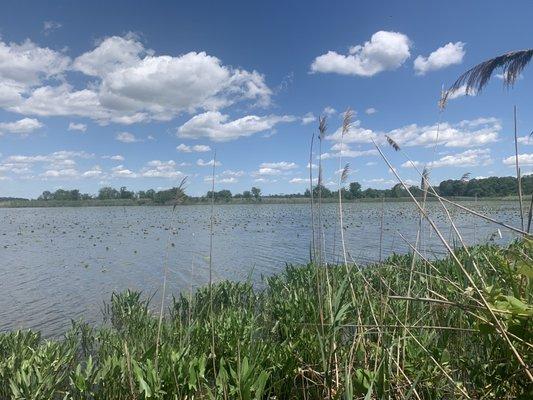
(309, 333)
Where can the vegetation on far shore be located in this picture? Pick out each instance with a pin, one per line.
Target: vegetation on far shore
(392, 330)
(492, 188)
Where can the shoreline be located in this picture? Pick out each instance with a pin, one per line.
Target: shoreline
(271, 200)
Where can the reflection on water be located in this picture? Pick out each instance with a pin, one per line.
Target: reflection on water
(59, 264)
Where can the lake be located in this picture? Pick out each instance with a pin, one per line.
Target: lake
(59, 264)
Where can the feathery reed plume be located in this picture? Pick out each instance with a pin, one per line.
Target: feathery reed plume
(322, 127)
(180, 194)
(442, 99)
(475, 79)
(465, 177)
(345, 172)
(424, 183)
(392, 143)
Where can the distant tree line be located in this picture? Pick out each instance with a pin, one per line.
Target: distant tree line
(486, 187)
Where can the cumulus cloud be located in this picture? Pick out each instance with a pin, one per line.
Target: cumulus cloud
(525, 139)
(466, 133)
(385, 51)
(57, 164)
(302, 180)
(523, 159)
(25, 65)
(449, 54)
(275, 168)
(126, 137)
(130, 83)
(370, 111)
(329, 111)
(199, 148)
(460, 92)
(344, 150)
(122, 172)
(22, 127)
(308, 118)
(218, 127)
(468, 158)
(73, 126)
(160, 169)
(201, 163)
(116, 157)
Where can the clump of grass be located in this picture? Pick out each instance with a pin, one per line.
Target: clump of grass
(268, 342)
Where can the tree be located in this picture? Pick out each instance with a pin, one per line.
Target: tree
(256, 192)
(247, 194)
(47, 195)
(125, 193)
(355, 190)
(224, 195)
(107, 192)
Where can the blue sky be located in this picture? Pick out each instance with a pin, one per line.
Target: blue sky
(140, 93)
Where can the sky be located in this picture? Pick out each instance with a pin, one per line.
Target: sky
(144, 93)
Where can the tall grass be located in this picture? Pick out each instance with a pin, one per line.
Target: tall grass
(268, 342)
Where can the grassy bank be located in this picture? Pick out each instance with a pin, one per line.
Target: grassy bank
(399, 329)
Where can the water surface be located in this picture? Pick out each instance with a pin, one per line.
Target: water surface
(59, 264)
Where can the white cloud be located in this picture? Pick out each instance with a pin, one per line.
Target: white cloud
(126, 137)
(460, 92)
(63, 100)
(219, 128)
(111, 54)
(201, 163)
(134, 79)
(308, 118)
(523, 159)
(199, 148)
(62, 173)
(525, 139)
(275, 168)
(130, 83)
(26, 64)
(73, 126)
(160, 169)
(21, 127)
(449, 54)
(121, 172)
(329, 111)
(370, 111)
(468, 158)
(232, 173)
(385, 51)
(94, 172)
(345, 151)
(302, 180)
(58, 156)
(467, 133)
(116, 157)
(356, 134)
(282, 165)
